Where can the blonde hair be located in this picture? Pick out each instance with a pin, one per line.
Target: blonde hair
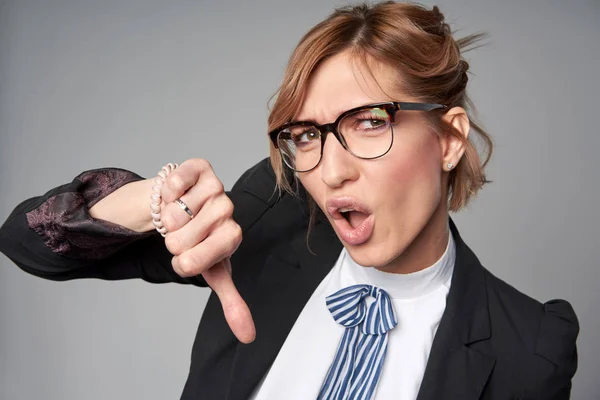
(418, 44)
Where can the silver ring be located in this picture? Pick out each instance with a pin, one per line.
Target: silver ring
(184, 207)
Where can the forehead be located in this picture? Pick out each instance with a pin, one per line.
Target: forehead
(343, 82)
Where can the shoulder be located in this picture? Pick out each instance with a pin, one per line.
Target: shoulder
(554, 321)
(546, 331)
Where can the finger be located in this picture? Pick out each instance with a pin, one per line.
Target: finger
(208, 186)
(215, 213)
(220, 243)
(183, 178)
(237, 313)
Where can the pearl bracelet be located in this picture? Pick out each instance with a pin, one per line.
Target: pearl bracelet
(156, 198)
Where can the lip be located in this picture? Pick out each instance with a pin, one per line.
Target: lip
(351, 235)
(335, 203)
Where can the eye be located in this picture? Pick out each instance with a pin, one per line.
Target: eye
(303, 135)
(371, 123)
(367, 124)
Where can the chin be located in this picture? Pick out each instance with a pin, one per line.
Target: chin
(371, 256)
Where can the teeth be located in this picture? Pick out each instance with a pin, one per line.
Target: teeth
(343, 210)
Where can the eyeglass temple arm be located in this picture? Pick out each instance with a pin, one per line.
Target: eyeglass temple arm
(418, 106)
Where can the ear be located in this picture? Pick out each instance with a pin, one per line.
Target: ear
(452, 147)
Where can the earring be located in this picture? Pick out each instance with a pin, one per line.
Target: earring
(450, 165)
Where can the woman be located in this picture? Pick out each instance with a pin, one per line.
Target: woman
(358, 283)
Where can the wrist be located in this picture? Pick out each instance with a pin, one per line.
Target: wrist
(127, 206)
(143, 204)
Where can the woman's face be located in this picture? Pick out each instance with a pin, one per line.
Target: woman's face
(398, 193)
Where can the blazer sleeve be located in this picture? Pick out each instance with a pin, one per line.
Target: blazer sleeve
(556, 347)
(53, 236)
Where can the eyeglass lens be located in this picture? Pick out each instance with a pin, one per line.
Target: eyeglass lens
(367, 133)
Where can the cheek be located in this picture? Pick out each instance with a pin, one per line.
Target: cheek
(313, 185)
(413, 168)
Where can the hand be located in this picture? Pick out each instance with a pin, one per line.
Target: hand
(204, 244)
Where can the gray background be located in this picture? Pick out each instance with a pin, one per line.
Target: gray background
(136, 84)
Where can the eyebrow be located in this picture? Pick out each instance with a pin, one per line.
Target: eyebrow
(338, 113)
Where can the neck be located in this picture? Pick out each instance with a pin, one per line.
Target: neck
(426, 248)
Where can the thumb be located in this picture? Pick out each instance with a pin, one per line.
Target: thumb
(237, 313)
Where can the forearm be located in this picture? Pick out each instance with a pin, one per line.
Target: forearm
(128, 206)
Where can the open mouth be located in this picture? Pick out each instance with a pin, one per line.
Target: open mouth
(354, 218)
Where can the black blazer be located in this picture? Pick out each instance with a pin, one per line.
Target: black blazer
(493, 342)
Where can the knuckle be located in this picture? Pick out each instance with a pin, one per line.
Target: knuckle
(176, 183)
(215, 186)
(228, 208)
(206, 164)
(175, 265)
(188, 264)
(237, 236)
(234, 238)
(202, 164)
(187, 162)
(173, 243)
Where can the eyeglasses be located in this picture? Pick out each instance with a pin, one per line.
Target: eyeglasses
(366, 132)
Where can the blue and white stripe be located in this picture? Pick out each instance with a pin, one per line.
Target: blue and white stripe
(358, 362)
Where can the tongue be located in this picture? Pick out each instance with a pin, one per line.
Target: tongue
(356, 218)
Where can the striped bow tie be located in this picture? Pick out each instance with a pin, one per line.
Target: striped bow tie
(357, 364)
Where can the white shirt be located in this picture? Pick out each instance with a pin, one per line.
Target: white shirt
(419, 300)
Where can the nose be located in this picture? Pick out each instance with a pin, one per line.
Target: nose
(337, 164)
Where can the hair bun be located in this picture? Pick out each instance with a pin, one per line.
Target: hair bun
(440, 26)
(438, 14)
(462, 69)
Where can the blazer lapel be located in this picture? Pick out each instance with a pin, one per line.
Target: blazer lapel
(290, 276)
(455, 371)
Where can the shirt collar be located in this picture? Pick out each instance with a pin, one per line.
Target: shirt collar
(405, 286)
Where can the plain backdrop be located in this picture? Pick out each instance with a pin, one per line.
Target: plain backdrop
(135, 84)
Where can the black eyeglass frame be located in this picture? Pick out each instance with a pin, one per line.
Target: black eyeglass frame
(391, 107)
